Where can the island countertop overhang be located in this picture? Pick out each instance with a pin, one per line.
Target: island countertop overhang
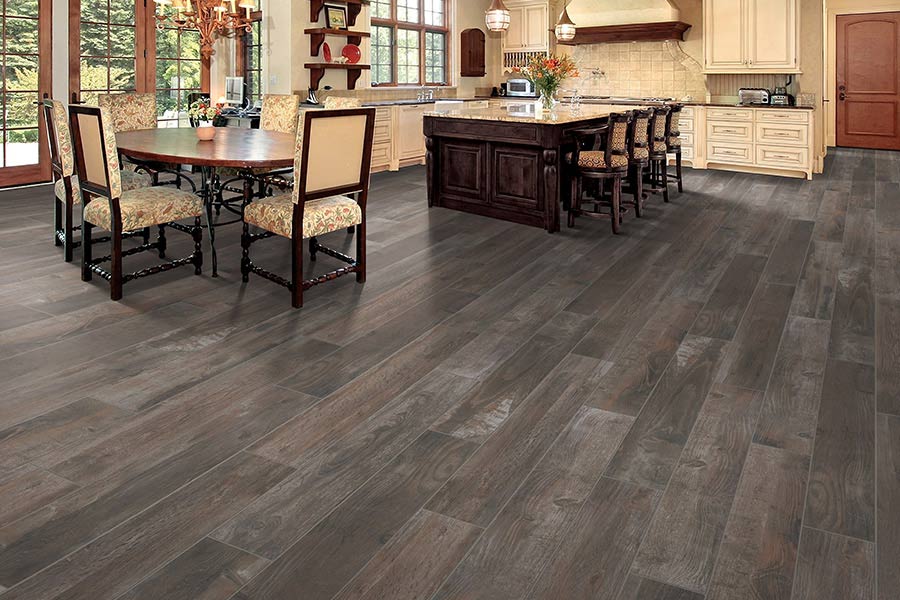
(527, 113)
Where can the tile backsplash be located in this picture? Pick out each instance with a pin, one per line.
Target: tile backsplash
(638, 69)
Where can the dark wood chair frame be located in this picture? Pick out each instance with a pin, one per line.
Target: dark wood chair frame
(578, 174)
(360, 188)
(636, 165)
(658, 175)
(676, 148)
(91, 265)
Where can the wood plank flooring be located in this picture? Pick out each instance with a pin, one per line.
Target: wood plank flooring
(704, 407)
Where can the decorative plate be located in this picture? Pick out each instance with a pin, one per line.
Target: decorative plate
(352, 53)
(326, 52)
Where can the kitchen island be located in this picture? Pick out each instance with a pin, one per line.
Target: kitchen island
(504, 161)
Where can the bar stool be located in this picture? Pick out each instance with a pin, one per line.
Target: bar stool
(610, 163)
(673, 140)
(638, 156)
(658, 177)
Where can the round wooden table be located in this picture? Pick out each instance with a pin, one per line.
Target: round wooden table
(232, 147)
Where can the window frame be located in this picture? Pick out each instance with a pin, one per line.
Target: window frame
(421, 28)
(241, 64)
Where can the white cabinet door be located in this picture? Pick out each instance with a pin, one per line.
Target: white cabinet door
(724, 30)
(536, 27)
(515, 35)
(773, 35)
(411, 140)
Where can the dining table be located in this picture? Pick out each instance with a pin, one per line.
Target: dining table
(243, 149)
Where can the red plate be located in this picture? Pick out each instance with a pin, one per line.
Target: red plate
(352, 53)
(326, 52)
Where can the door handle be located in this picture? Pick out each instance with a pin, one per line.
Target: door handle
(842, 96)
(841, 92)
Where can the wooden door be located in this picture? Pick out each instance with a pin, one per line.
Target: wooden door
(25, 49)
(868, 80)
(772, 43)
(725, 27)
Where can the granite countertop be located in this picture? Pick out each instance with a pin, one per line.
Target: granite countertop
(527, 114)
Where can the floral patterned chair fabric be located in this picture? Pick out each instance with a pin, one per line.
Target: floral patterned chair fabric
(659, 134)
(319, 216)
(146, 207)
(279, 113)
(130, 181)
(130, 112)
(62, 140)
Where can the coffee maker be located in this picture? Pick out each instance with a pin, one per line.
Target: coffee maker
(780, 97)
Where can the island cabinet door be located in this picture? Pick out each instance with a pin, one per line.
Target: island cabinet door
(463, 169)
(515, 178)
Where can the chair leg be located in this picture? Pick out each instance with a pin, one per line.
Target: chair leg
(57, 221)
(115, 281)
(146, 234)
(313, 248)
(297, 272)
(573, 202)
(87, 251)
(664, 178)
(678, 170)
(361, 251)
(245, 253)
(161, 241)
(69, 244)
(638, 190)
(615, 215)
(198, 246)
(350, 230)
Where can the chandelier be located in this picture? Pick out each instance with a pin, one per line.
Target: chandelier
(210, 18)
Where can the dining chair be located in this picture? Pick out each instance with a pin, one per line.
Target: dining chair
(332, 157)
(607, 164)
(638, 156)
(342, 102)
(673, 141)
(67, 191)
(659, 174)
(107, 205)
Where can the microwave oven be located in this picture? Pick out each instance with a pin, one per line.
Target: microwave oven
(520, 87)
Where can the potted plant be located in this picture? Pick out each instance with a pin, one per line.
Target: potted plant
(547, 74)
(204, 114)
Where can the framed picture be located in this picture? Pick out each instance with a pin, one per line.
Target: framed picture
(336, 16)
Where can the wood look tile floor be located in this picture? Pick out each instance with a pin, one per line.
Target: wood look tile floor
(707, 406)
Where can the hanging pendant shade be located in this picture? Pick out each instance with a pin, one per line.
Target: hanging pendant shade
(497, 16)
(565, 28)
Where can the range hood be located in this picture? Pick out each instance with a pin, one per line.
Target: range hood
(625, 20)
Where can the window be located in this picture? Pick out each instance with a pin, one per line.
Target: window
(107, 53)
(177, 74)
(409, 42)
(249, 61)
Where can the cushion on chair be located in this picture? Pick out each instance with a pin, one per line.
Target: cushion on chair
(275, 214)
(279, 113)
(659, 147)
(641, 153)
(674, 141)
(145, 207)
(594, 159)
(130, 112)
(130, 181)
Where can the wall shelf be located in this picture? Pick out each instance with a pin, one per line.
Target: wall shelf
(317, 71)
(353, 9)
(317, 37)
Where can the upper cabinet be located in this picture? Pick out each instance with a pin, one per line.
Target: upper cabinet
(529, 27)
(751, 36)
(471, 53)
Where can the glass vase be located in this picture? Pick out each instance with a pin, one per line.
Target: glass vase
(548, 99)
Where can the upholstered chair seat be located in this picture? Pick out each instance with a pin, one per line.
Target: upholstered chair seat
(146, 207)
(595, 159)
(319, 217)
(674, 141)
(131, 180)
(641, 153)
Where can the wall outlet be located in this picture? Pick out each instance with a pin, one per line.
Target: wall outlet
(273, 79)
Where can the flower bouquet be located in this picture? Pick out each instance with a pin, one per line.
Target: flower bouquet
(547, 74)
(204, 114)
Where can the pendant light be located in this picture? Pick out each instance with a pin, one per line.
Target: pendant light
(496, 17)
(565, 28)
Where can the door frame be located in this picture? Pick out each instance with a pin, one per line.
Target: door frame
(40, 172)
(835, 8)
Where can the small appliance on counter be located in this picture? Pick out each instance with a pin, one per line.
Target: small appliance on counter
(521, 88)
(780, 97)
(753, 96)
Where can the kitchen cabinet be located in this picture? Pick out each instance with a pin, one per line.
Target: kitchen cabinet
(410, 146)
(471, 53)
(743, 36)
(529, 27)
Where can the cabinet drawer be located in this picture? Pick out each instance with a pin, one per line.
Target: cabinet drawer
(687, 153)
(782, 133)
(381, 132)
(729, 114)
(687, 140)
(729, 152)
(782, 115)
(383, 114)
(687, 112)
(685, 125)
(729, 131)
(381, 155)
(780, 156)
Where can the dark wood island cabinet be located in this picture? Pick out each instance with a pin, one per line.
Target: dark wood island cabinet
(504, 161)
